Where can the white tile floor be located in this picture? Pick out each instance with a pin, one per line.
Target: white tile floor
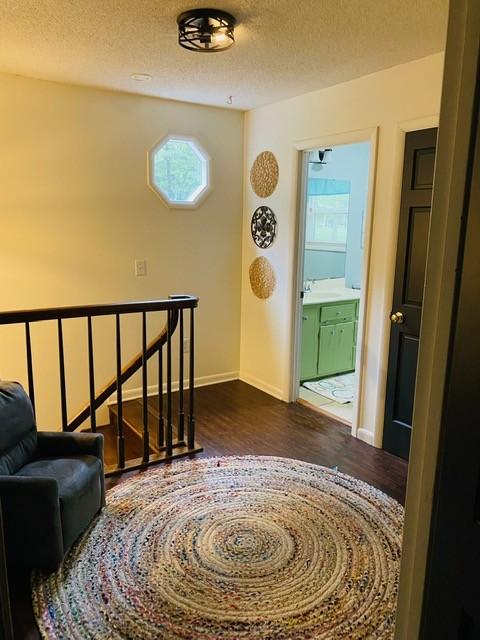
(342, 412)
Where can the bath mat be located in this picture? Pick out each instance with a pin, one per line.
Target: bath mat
(340, 388)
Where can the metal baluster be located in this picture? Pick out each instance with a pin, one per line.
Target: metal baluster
(91, 376)
(61, 362)
(169, 448)
(146, 435)
(160, 426)
(181, 414)
(191, 418)
(120, 434)
(31, 384)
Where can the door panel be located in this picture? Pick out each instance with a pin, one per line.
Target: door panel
(413, 228)
(407, 360)
(419, 223)
(423, 163)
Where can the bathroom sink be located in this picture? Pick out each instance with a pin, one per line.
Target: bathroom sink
(319, 296)
(327, 294)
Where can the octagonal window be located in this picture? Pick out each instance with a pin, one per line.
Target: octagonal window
(179, 171)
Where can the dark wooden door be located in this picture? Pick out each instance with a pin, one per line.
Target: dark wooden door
(414, 223)
(452, 588)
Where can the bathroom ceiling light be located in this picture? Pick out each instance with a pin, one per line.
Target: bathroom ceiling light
(141, 77)
(323, 156)
(206, 30)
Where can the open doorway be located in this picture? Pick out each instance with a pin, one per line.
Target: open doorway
(335, 184)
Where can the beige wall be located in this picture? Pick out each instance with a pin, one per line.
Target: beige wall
(388, 100)
(76, 211)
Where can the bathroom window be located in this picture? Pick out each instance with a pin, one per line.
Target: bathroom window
(328, 203)
(179, 171)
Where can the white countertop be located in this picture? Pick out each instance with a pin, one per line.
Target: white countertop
(331, 290)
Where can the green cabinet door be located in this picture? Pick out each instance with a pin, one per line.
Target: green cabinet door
(336, 350)
(326, 352)
(345, 346)
(309, 351)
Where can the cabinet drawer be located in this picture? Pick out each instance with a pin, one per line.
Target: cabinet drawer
(339, 312)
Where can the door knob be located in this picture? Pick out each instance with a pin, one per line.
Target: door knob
(397, 318)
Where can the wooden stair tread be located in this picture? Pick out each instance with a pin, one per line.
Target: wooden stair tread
(133, 444)
(133, 418)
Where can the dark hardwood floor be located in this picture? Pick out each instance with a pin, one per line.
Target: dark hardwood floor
(234, 418)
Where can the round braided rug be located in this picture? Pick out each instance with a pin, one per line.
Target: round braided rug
(236, 547)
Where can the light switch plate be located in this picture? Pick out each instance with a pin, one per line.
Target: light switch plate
(140, 267)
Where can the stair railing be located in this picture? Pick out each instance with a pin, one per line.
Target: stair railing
(175, 306)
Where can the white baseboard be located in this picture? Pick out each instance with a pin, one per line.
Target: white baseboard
(263, 386)
(366, 435)
(202, 381)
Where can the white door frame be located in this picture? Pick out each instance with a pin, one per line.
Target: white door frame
(303, 146)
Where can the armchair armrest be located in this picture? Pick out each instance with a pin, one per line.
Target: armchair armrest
(32, 522)
(21, 489)
(56, 444)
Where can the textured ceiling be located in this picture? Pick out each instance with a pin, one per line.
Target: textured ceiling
(283, 47)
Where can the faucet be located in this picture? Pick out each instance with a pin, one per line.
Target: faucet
(307, 287)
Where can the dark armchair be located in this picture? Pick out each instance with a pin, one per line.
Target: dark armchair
(51, 484)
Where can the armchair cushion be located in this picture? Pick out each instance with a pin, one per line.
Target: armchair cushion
(18, 435)
(79, 481)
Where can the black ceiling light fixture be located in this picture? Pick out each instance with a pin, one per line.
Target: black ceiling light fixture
(323, 156)
(206, 30)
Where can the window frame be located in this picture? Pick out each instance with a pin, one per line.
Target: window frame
(203, 154)
(334, 247)
(322, 245)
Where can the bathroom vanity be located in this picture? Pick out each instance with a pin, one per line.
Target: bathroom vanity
(329, 332)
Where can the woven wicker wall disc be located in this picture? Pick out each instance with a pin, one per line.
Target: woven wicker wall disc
(264, 174)
(262, 278)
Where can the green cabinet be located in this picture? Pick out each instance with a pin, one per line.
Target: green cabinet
(309, 354)
(329, 335)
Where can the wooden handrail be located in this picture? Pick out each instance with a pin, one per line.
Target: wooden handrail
(132, 367)
(174, 302)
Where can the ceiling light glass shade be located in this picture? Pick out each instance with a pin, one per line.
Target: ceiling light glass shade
(141, 77)
(206, 30)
